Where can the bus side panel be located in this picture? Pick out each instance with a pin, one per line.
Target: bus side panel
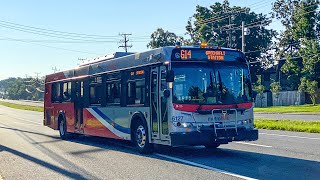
(48, 113)
(67, 108)
(93, 125)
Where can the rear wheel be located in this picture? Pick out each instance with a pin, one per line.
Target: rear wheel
(140, 138)
(212, 145)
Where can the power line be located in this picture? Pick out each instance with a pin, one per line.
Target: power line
(54, 47)
(219, 18)
(92, 36)
(61, 41)
(59, 34)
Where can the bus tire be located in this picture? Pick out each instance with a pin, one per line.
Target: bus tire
(63, 128)
(140, 137)
(212, 145)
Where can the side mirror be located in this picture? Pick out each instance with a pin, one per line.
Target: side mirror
(166, 93)
(170, 76)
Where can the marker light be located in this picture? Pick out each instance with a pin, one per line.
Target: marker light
(166, 62)
(203, 45)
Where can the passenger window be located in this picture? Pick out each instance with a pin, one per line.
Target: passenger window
(67, 91)
(56, 95)
(96, 90)
(136, 92)
(113, 89)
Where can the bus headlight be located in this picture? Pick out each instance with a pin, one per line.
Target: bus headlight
(180, 124)
(187, 125)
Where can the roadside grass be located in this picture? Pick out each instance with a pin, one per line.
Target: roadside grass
(288, 125)
(23, 107)
(290, 109)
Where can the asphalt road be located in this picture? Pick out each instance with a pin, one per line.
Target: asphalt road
(29, 150)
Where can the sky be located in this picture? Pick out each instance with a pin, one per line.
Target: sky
(27, 54)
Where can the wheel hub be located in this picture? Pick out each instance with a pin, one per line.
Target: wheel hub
(141, 136)
(62, 128)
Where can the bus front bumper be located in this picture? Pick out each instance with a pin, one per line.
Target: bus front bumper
(208, 136)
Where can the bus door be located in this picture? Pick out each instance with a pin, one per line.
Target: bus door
(158, 103)
(78, 106)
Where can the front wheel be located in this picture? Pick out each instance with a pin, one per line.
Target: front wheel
(141, 138)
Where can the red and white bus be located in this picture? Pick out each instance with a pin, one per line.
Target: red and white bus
(172, 96)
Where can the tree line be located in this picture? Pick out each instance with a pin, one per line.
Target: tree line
(22, 88)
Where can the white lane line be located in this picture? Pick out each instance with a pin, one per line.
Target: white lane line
(26, 120)
(282, 135)
(205, 167)
(251, 144)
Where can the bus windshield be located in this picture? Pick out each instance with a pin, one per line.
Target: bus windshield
(211, 83)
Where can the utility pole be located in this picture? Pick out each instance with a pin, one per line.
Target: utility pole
(243, 39)
(125, 41)
(37, 76)
(82, 60)
(55, 69)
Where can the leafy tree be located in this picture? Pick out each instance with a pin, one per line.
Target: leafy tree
(275, 89)
(20, 88)
(161, 38)
(301, 21)
(311, 87)
(260, 89)
(310, 53)
(212, 25)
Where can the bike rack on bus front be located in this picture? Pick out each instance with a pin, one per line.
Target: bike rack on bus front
(224, 112)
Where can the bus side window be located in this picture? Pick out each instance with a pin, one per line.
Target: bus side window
(96, 90)
(56, 94)
(113, 92)
(67, 91)
(136, 92)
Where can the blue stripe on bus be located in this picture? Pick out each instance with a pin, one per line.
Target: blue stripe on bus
(116, 126)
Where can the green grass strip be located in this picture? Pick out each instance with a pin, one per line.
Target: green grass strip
(288, 125)
(23, 107)
(290, 109)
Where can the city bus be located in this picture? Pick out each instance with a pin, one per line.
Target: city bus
(175, 96)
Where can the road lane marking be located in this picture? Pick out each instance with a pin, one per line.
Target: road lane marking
(205, 167)
(26, 120)
(282, 135)
(251, 144)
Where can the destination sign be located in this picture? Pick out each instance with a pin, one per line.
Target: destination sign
(201, 54)
(216, 55)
